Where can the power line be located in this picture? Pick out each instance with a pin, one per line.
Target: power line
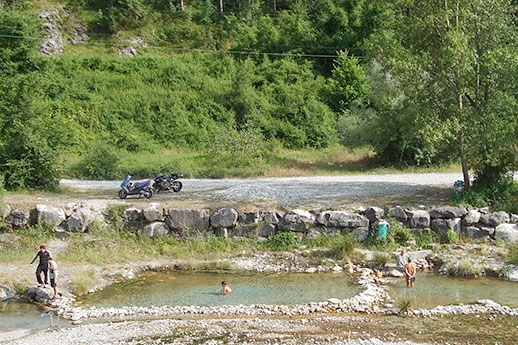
(184, 49)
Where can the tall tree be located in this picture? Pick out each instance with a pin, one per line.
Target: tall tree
(456, 60)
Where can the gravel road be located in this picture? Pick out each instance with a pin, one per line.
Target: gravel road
(330, 191)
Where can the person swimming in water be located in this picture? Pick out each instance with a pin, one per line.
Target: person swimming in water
(225, 290)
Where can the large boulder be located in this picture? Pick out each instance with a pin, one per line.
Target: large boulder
(250, 217)
(360, 234)
(448, 212)
(5, 293)
(38, 294)
(6, 210)
(342, 219)
(399, 213)
(297, 220)
(155, 229)
(152, 214)
(132, 214)
(442, 226)
(244, 230)
(78, 221)
(495, 218)
(477, 233)
(44, 214)
(419, 219)
(266, 230)
(17, 218)
(374, 214)
(471, 218)
(270, 217)
(224, 218)
(180, 219)
(507, 232)
(514, 218)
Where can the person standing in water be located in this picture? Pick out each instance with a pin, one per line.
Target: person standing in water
(410, 270)
(401, 260)
(225, 290)
(43, 266)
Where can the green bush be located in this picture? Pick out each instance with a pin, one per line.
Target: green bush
(100, 162)
(284, 240)
(450, 237)
(512, 254)
(380, 260)
(343, 247)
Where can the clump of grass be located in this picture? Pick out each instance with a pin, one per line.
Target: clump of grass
(450, 237)
(343, 247)
(83, 281)
(512, 254)
(465, 268)
(403, 305)
(380, 260)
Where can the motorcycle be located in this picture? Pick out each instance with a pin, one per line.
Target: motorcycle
(140, 188)
(167, 182)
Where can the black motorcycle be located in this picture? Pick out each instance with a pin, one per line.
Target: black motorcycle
(164, 182)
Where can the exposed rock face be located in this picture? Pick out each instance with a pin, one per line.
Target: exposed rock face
(374, 214)
(270, 217)
(155, 229)
(507, 232)
(17, 218)
(297, 220)
(419, 219)
(477, 234)
(471, 218)
(152, 214)
(448, 212)
(79, 34)
(5, 293)
(52, 43)
(399, 213)
(442, 226)
(78, 221)
(132, 214)
(496, 218)
(342, 219)
(224, 218)
(512, 273)
(128, 51)
(188, 219)
(43, 214)
(6, 210)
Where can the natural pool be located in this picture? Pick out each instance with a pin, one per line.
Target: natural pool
(432, 289)
(16, 315)
(202, 288)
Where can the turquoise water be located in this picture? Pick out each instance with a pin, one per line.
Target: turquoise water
(431, 290)
(16, 315)
(197, 288)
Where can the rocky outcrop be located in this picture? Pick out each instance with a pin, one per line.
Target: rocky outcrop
(507, 232)
(52, 44)
(181, 219)
(152, 214)
(448, 212)
(5, 293)
(399, 213)
(343, 219)
(38, 294)
(495, 219)
(298, 221)
(471, 218)
(374, 214)
(224, 218)
(155, 229)
(419, 219)
(17, 218)
(44, 214)
(128, 51)
(442, 226)
(77, 222)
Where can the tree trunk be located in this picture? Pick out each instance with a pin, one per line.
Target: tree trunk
(181, 5)
(465, 169)
(221, 6)
(274, 6)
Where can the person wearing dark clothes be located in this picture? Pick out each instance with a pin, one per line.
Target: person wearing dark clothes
(43, 266)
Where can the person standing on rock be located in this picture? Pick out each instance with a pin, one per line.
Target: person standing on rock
(410, 271)
(43, 266)
(401, 260)
(53, 275)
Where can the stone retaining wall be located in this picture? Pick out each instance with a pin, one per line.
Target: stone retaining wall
(478, 224)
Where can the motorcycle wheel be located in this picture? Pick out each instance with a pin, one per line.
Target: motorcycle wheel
(156, 188)
(176, 186)
(123, 194)
(148, 193)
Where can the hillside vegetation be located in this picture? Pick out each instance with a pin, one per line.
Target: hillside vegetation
(234, 87)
